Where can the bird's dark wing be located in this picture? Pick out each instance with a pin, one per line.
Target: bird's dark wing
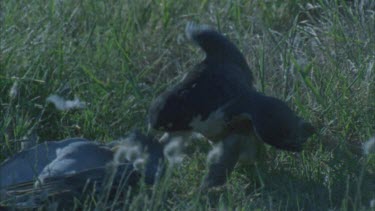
(201, 93)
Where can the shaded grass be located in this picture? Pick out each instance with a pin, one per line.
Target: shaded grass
(118, 55)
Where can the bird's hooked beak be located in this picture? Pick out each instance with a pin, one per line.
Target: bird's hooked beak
(307, 129)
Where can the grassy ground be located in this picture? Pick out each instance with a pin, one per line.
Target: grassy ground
(318, 56)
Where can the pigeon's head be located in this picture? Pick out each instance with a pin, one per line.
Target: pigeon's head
(298, 133)
(146, 154)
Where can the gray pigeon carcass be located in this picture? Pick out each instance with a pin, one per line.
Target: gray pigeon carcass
(79, 168)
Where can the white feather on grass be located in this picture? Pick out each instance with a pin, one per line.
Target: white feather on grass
(369, 146)
(14, 90)
(173, 151)
(65, 105)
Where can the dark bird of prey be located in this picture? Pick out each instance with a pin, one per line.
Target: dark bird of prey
(218, 100)
(75, 168)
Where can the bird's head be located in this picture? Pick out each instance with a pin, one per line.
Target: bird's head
(278, 125)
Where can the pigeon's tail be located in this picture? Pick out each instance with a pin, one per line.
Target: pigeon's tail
(216, 46)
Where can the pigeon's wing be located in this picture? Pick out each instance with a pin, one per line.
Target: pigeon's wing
(27, 165)
(77, 157)
(66, 188)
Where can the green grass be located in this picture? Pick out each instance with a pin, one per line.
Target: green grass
(118, 55)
